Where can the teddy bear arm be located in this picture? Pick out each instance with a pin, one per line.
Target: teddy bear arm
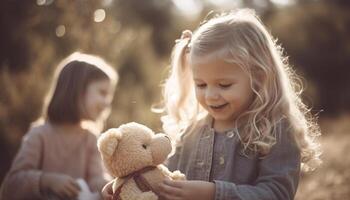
(130, 191)
(164, 170)
(176, 175)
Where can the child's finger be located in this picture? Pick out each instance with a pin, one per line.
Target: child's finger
(72, 191)
(177, 184)
(75, 184)
(170, 191)
(66, 194)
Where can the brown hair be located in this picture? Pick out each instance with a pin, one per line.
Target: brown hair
(71, 79)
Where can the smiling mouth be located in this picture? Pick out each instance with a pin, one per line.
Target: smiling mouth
(218, 107)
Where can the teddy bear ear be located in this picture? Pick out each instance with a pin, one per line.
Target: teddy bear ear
(115, 132)
(108, 142)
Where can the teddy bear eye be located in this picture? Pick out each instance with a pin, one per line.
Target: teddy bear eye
(144, 146)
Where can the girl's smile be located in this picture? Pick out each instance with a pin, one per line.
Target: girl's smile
(218, 108)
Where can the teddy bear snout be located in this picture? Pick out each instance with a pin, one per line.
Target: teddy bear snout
(161, 147)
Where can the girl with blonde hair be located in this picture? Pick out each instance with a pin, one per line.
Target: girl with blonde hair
(233, 106)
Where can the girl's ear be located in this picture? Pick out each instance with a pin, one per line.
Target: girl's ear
(108, 142)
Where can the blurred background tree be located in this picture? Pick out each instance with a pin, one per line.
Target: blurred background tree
(136, 36)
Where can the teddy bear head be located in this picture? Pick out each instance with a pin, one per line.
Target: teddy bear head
(132, 147)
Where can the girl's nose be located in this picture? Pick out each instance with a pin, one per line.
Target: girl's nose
(211, 94)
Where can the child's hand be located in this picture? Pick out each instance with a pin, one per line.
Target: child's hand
(187, 190)
(107, 191)
(64, 186)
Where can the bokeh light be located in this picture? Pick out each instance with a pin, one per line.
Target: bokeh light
(99, 15)
(114, 27)
(60, 31)
(44, 2)
(283, 2)
(107, 3)
(227, 4)
(190, 8)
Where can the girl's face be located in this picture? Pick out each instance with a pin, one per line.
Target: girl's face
(98, 97)
(222, 89)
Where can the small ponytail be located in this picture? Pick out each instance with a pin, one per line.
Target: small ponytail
(179, 103)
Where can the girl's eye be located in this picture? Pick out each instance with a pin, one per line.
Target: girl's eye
(144, 146)
(225, 85)
(201, 85)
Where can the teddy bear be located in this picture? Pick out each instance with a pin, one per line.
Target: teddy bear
(133, 154)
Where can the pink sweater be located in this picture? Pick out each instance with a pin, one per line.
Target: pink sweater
(46, 148)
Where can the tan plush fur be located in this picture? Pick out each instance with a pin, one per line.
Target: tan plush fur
(130, 148)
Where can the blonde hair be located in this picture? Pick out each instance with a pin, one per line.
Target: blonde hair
(240, 38)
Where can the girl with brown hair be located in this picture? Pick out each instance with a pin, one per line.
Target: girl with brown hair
(57, 152)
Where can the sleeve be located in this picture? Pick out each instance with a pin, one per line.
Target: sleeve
(277, 179)
(95, 169)
(23, 179)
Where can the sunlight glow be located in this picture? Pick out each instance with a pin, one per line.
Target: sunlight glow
(283, 2)
(107, 3)
(44, 2)
(99, 15)
(114, 27)
(227, 4)
(189, 8)
(60, 31)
